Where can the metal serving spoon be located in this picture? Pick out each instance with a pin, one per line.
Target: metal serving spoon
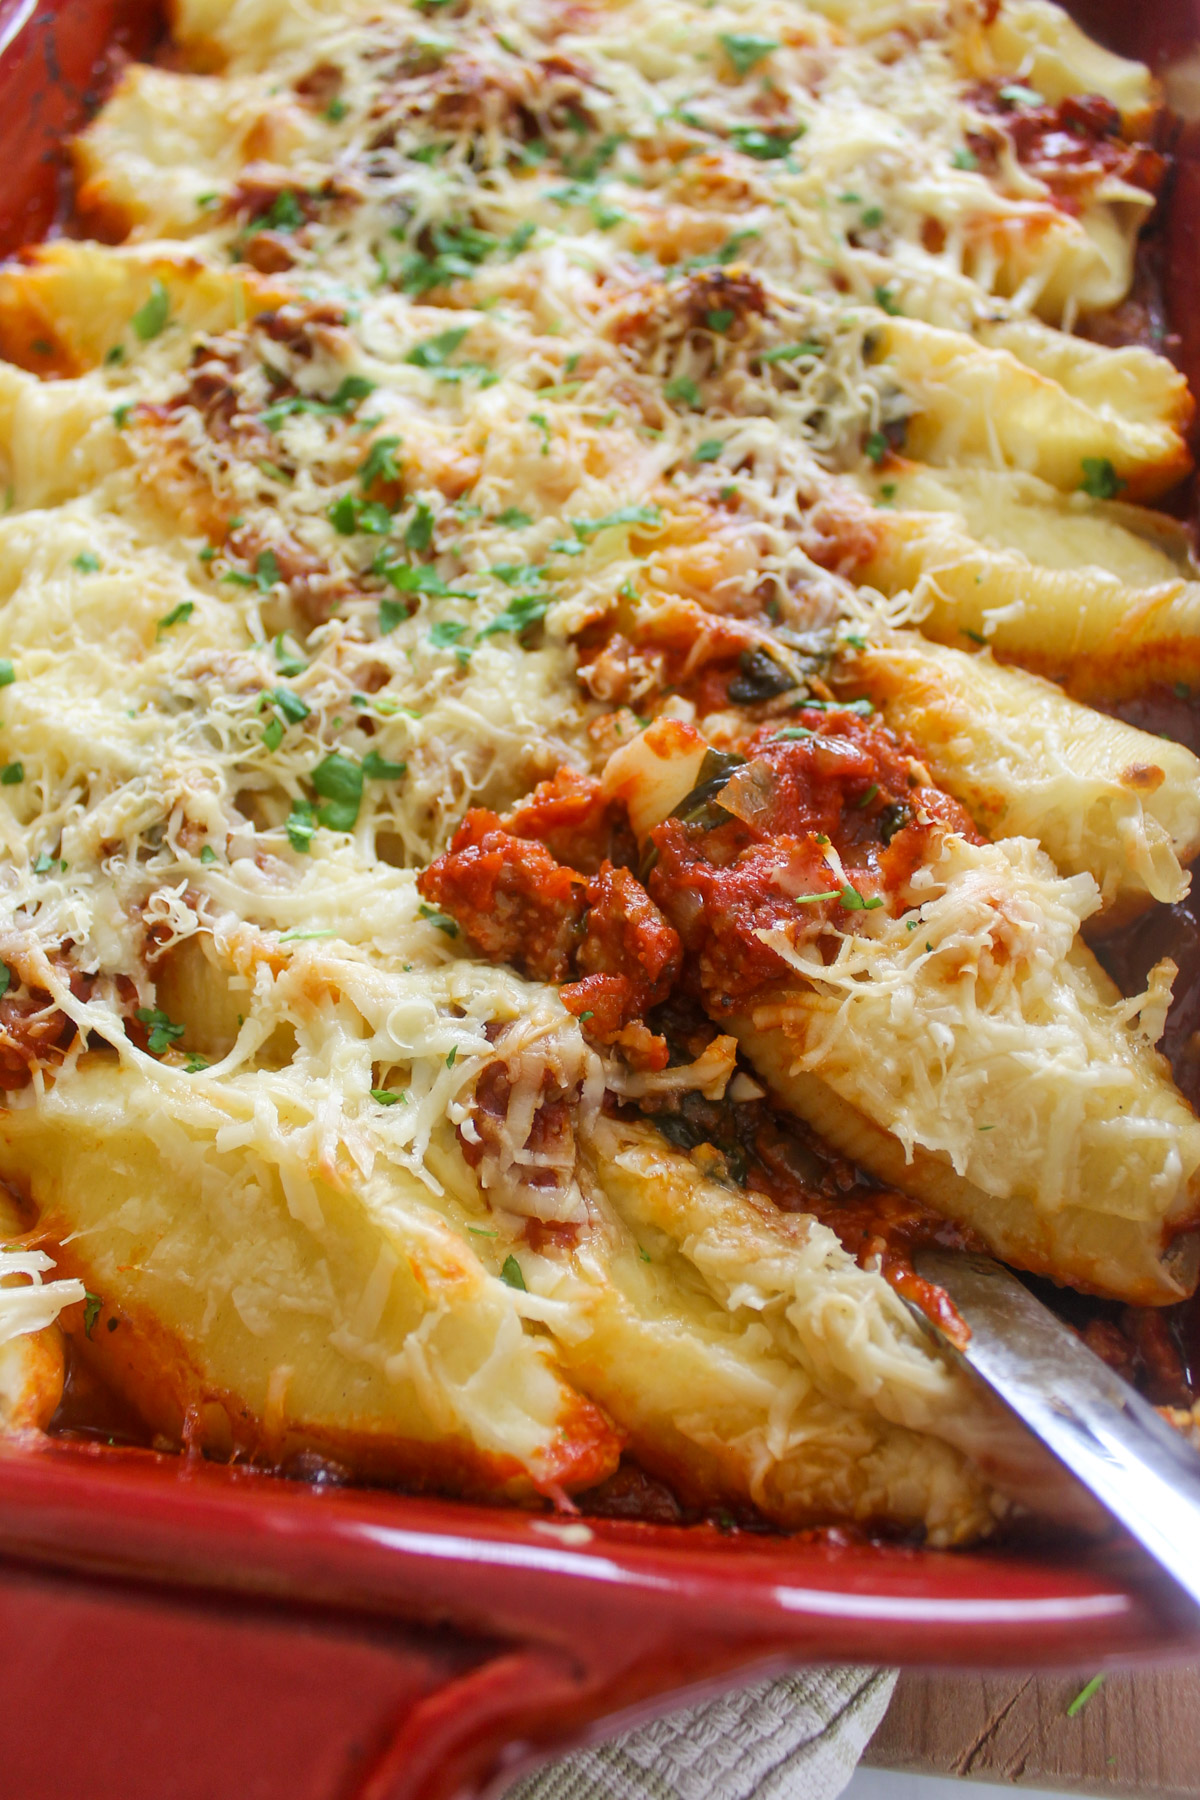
(1144, 1473)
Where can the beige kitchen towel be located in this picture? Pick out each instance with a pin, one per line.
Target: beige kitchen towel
(798, 1737)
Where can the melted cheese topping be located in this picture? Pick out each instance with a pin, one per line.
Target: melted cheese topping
(439, 336)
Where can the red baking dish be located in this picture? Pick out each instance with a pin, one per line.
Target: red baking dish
(175, 1630)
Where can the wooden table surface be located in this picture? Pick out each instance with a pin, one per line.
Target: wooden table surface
(1138, 1734)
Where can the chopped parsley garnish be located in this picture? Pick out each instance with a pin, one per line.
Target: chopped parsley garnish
(301, 824)
(793, 734)
(293, 708)
(709, 450)
(194, 1064)
(121, 415)
(151, 317)
(87, 562)
(976, 637)
(350, 514)
(162, 1033)
(380, 463)
(877, 447)
(1017, 94)
(12, 774)
(445, 633)
(336, 111)
(391, 614)
(812, 899)
(377, 768)
(872, 218)
(764, 146)
(386, 1097)
(351, 392)
(415, 578)
(285, 213)
(418, 534)
(452, 1057)
(286, 660)
(791, 352)
(885, 298)
(745, 50)
(964, 159)
(7, 673)
(513, 518)
(5, 978)
(439, 920)
(178, 615)
(853, 901)
(44, 863)
(208, 854)
(458, 250)
(683, 388)
(1084, 1695)
(435, 352)
(511, 1275)
(624, 515)
(522, 611)
(339, 782)
(1100, 479)
(92, 1304)
(266, 571)
(720, 319)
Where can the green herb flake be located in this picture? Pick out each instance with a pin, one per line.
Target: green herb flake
(380, 463)
(339, 782)
(435, 352)
(624, 515)
(1100, 479)
(976, 637)
(511, 1275)
(418, 534)
(193, 1066)
(287, 661)
(812, 899)
(121, 415)
(5, 978)
(266, 571)
(7, 673)
(391, 614)
(512, 518)
(683, 388)
(853, 901)
(885, 299)
(745, 50)
(301, 825)
(12, 774)
(709, 450)
(877, 447)
(385, 1096)
(764, 146)
(521, 612)
(1017, 94)
(44, 863)
(162, 1033)
(1084, 1695)
(720, 319)
(439, 920)
(151, 317)
(293, 708)
(964, 159)
(92, 1304)
(452, 1057)
(336, 111)
(87, 562)
(791, 352)
(793, 735)
(178, 615)
(208, 854)
(377, 768)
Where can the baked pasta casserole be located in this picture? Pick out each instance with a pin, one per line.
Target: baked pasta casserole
(559, 567)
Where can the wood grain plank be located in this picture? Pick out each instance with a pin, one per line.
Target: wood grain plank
(1138, 1735)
